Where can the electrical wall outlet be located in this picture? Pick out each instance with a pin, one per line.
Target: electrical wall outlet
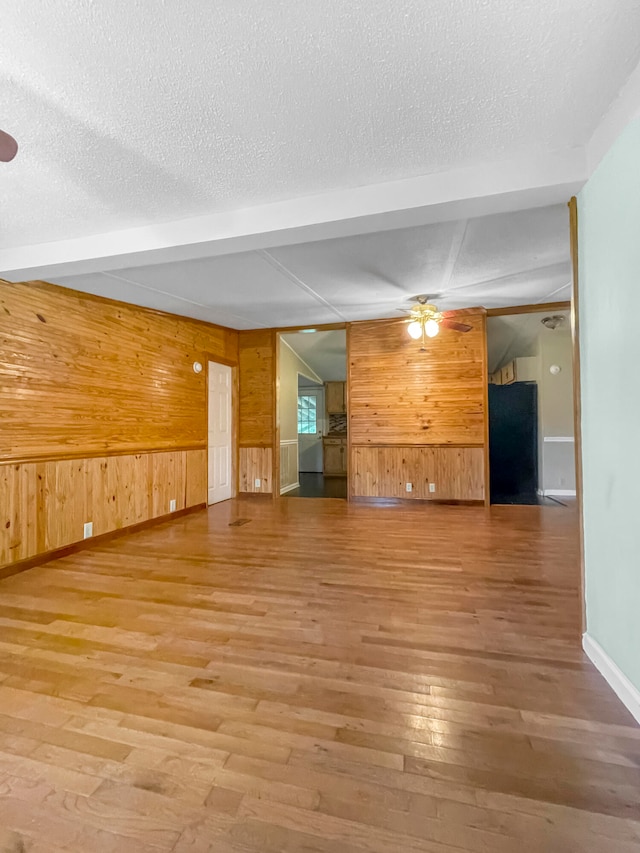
(257, 483)
(88, 529)
(172, 506)
(432, 487)
(409, 487)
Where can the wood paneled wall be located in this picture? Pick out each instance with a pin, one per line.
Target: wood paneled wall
(417, 417)
(456, 472)
(256, 359)
(102, 417)
(83, 376)
(256, 463)
(44, 505)
(401, 396)
(257, 370)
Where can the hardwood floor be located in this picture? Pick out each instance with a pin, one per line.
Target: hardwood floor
(318, 486)
(326, 677)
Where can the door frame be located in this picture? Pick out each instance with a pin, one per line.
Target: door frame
(275, 344)
(577, 402)
(235, 411)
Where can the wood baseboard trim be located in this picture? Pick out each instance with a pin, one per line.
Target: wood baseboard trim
(627, 692)
(83, 544)
(408, 501)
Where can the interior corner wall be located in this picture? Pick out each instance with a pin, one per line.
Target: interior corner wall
(103, 418)
(555, 404)
(289, 366)
(609, 308)
(256, 432)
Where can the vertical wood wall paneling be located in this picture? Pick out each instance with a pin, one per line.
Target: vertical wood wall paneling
(457, 472)
(256, 463)
(61, 503)
(85, 376)
(196, 478)
(18, 496)
(257, 409)
(44, 505)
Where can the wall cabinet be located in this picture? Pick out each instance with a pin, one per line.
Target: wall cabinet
(507, 374)
(517, 370)
(335, 457)
(335, 398)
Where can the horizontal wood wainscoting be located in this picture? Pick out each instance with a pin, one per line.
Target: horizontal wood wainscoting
(418, 417)
(456, 472)
(257, 369)
(44, 505)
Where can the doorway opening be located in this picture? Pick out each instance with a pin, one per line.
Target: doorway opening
(220, 473)
(531, 411)
(312, 410)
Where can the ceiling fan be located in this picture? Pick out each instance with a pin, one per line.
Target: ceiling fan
(425, 319)
(8, 147)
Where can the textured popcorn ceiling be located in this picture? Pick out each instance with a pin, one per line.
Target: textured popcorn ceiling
(133, 112)
(151, 132)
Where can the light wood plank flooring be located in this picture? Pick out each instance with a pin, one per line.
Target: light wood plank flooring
(326, 678)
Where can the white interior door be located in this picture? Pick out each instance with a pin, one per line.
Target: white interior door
(310, 443)
(220, 432)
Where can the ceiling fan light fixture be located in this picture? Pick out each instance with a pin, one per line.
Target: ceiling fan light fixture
(431, 328)
(415, 330)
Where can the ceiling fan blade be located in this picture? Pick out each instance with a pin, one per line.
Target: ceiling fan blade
(459, 327)
(8, 147)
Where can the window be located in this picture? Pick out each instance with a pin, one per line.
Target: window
(307, 422)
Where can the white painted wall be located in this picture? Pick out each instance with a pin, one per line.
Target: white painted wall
(609, 288)
(290, 366)
(556, 461)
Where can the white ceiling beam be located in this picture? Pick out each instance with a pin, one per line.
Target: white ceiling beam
(624, 109)
(532, 181)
